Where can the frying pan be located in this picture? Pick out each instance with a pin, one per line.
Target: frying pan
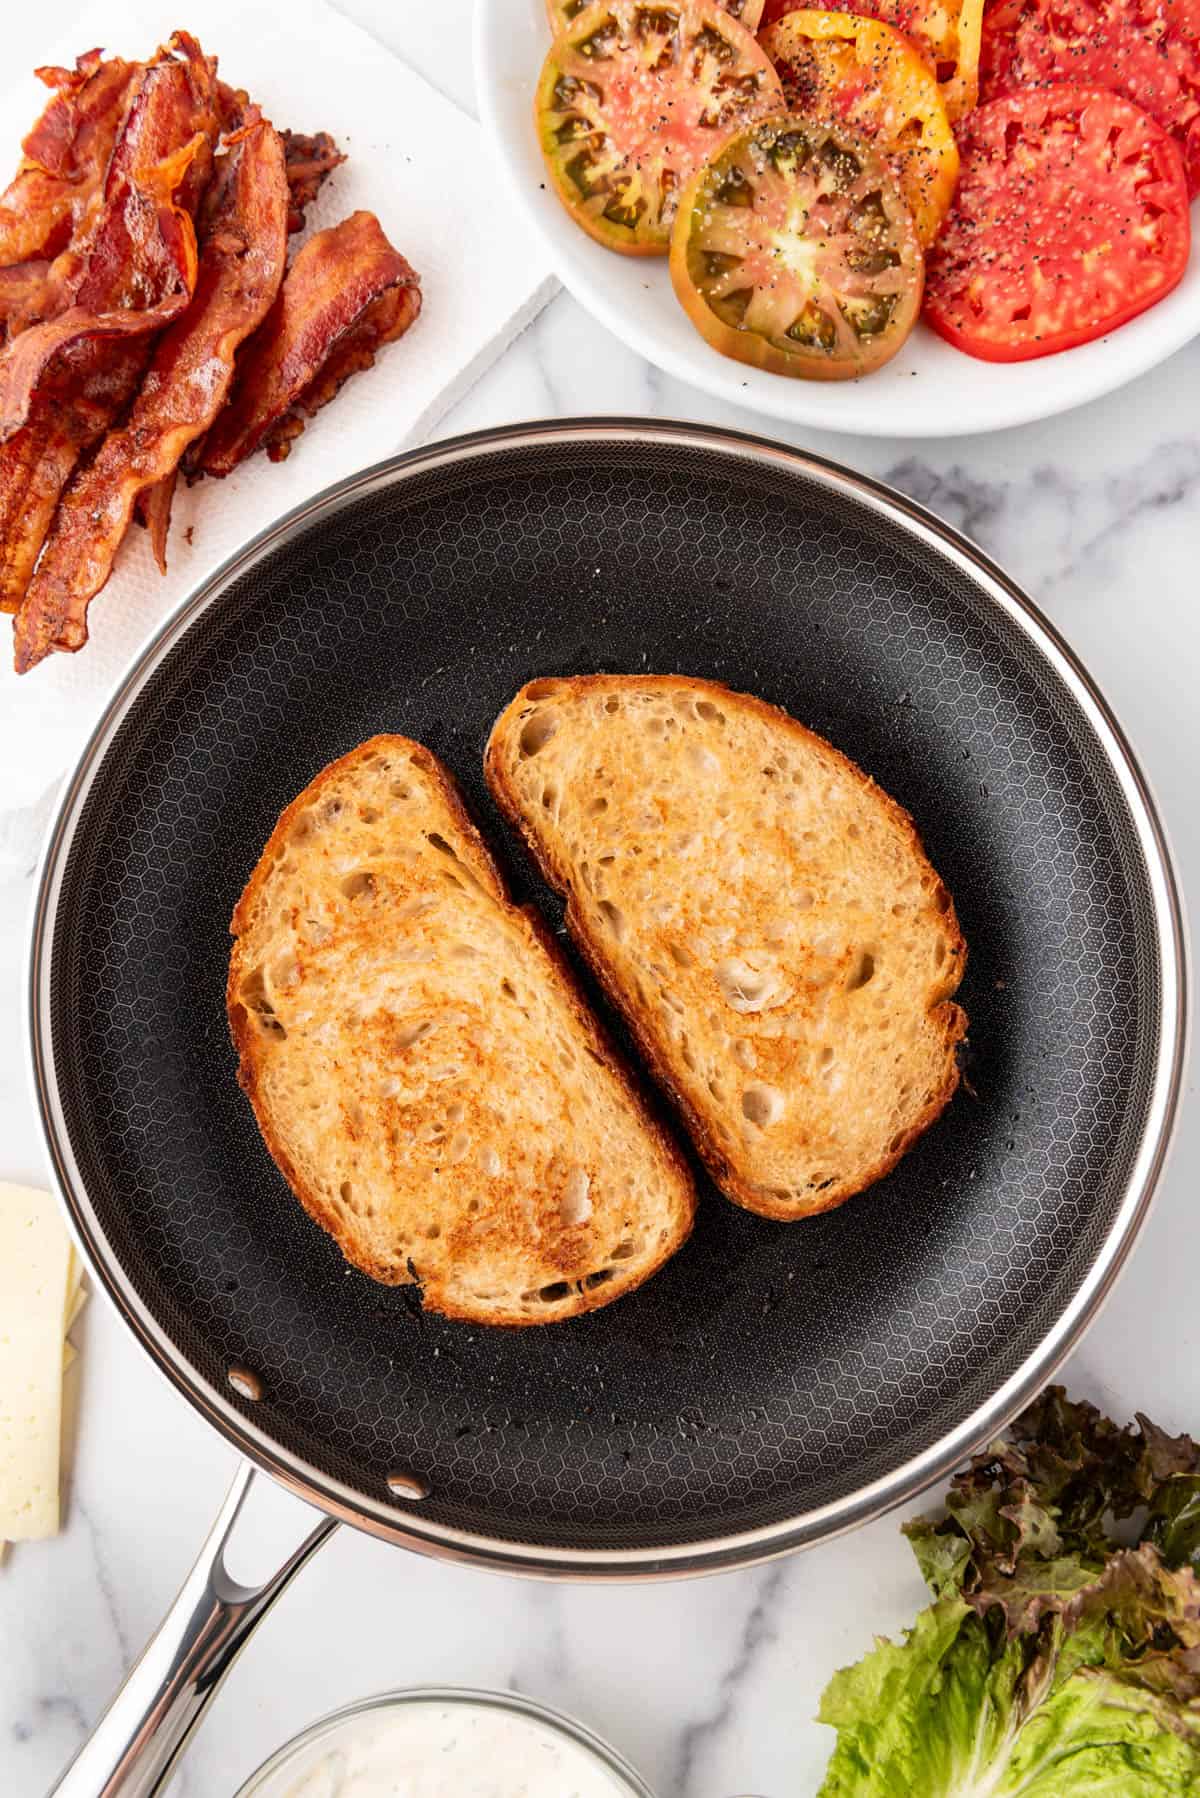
(774, 1384)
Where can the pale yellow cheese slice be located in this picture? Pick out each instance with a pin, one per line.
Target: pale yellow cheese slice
(39, 1284)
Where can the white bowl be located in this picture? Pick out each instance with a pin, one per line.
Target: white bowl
(928, 390)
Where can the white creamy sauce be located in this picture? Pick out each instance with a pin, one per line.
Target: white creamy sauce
(441, 1750)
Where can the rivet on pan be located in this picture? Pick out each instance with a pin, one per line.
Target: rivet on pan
(407, 1485)
(244, 1383)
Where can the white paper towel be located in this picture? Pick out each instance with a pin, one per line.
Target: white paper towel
(414, 159)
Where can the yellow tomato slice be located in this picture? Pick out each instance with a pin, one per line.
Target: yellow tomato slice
(794, 251)
(860, 73)
(633, 97)
(947, 32)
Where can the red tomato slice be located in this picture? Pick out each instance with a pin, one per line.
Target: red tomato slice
(1071, 217)
(1146, 50)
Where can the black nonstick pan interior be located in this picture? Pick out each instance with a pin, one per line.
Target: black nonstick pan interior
(770, 1370)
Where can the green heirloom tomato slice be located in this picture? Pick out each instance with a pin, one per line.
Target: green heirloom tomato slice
(632, 99)
(561, 12)
(794, 251)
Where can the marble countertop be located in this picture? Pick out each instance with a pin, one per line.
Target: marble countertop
(708, 1686)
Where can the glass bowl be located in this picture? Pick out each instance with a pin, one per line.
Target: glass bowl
(301, 1758)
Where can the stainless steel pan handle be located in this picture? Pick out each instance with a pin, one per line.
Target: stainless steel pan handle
(133, 1749)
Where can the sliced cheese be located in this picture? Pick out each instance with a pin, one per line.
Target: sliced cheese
(39, 1286)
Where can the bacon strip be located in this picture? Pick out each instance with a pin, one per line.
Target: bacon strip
(310, 161)
(153, 509)
(63, 382)
(139, 266)
(66, 155)
(28, 291)
(243, 238)
(319, 331)
(382, 323)
(233, 105)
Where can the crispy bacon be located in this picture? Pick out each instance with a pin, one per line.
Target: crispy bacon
(153, 509)
(66, 154)
(28, 291)
(310, 160)
(139, 264)
(63, 382)
(327, 322)
(243, 251)
(385, 321)
(233, 104)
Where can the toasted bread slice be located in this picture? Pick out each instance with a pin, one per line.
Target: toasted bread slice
(760, 911)
(423, 1070)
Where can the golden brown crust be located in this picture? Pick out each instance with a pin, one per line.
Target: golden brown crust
(947, 1016)
(955, 1029)
(248, 1043)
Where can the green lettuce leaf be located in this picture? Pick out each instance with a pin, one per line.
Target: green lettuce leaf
(944, 1714)
(917, 1716)
(1061, 1656)
(1096, 1737)
(1173, 1523)
(1035, 1588)
(942, 1555)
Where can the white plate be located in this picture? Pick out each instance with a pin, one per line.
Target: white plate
(928, 390)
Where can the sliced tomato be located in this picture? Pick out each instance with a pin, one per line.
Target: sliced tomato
(1146, 50)
(946, 32)
(561, 12)
(861, 73)
(794, 251)
(632, 98)
(1071, 217)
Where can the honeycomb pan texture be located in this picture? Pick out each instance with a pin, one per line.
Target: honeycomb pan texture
(769, 1370)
